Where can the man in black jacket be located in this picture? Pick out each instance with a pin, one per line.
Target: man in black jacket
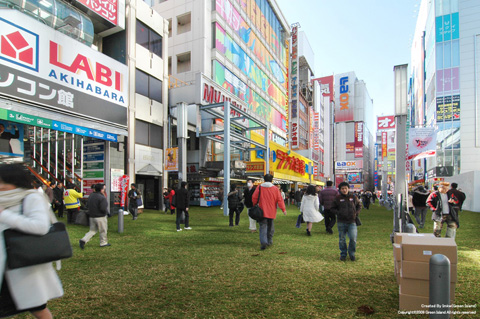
(97, 212)
(454, 192)
(183, 202)
(419, 201)
(132, 201)
(347, 207)
(58, 199)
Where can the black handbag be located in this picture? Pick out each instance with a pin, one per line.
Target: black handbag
(256, 212)
(25, 250)
(358, 221)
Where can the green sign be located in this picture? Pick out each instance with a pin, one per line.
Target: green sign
(3, 114)
(28, 119)
(93, 174)
(96, 165)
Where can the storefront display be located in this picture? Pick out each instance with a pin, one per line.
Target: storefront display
(210, 191)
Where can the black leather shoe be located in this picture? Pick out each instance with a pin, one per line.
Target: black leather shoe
(82, 244)
(343, 258)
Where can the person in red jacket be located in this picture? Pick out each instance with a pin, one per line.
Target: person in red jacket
(171, 193)
(270, 197)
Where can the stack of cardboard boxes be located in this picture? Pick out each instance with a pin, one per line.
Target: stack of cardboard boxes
(411, 254)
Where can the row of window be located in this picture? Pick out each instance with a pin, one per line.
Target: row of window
(149, 39)
(148, 134)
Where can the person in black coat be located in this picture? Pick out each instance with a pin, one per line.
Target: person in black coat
(132, 201)
(58, 199)
(234, 200)
(97, 212)
(182, 201)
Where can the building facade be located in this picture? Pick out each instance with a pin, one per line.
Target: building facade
(445, 88)
(353, 141)
(69, 99)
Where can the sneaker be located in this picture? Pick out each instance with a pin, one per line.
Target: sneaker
(106, 245)
(352, 258)
(343, 258)
(188, 228)
(179, 229)
(82, 244)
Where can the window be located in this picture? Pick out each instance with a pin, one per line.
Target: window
(169, 65)
(149, 39)
(169, 28)
(184, 23)
(148, 86)
(148, 134)
(183, 62)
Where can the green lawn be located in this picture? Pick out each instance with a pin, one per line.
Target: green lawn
(216, 271)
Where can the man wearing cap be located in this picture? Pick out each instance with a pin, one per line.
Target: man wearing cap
(444, 211)
(347, 207)
(454, 192)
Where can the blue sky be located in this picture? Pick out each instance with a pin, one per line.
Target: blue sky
(368, 37)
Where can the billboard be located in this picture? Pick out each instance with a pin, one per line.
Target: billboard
(111, 10)
(11, 139)
(344, 97)
(349, 165)
(358, 139)
(422, 142)
(294, 94)
(385, 122)
(48, 68)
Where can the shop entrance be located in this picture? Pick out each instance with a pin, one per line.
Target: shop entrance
(149, 187)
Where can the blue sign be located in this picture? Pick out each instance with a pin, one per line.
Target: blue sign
(93, 157)
(80, 130)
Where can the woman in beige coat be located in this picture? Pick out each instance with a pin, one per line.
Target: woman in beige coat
(28, 288)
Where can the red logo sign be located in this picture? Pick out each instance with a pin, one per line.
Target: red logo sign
(15, 46)
(18, 45)
(385, 122)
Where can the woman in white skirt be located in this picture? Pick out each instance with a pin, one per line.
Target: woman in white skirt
(310, 208)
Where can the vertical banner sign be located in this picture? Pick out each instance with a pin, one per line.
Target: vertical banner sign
(316, 131)
(312, 132)
(358, 139)
(375, 171)
(93, 165)
(124, 188)
(344, 93)
(294, 90)
(171, 159)
(384, 144)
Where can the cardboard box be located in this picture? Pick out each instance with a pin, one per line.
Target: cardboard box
(397, 260)
(412, 303)
(421, 288)
(398, 237)
(422, 250)
(421, 270)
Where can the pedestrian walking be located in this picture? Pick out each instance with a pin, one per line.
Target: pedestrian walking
(458, 194)
(298, 197)
(26, 289)
(310, 208)
(182, 199)
(327, 197)
(166, 201)
(347, 207)
(247, 195)
(445, 211)
(72, 203)
(58, 199)
(132, 201)
(234, 200)
(419, 201)
(97, 214)
(270, 199)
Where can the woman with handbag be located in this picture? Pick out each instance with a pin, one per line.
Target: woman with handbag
(310, 208)
(26, 210)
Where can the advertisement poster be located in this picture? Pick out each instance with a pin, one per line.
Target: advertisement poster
(171, 159)
(422, 142)
(11, 139)
(116, 179)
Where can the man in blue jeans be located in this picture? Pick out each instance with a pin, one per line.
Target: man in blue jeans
(347, 207)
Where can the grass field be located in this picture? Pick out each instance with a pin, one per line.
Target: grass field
(216, 271)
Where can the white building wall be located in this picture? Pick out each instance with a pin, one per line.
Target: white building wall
(469, 11)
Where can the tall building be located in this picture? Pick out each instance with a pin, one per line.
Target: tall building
(233, 51)
(353, 141)
(444, 92)
(78, 79)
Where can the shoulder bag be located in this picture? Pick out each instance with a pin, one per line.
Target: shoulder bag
(256, 212)
(25, 250)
